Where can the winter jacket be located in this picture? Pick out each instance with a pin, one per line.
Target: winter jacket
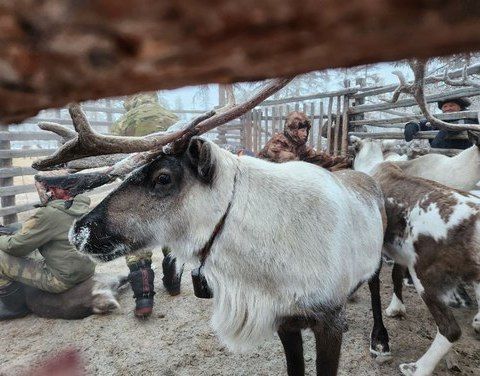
(47, 231)
(441, 139)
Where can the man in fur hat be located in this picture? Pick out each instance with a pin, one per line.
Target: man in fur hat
(441, 140)
(291, 145)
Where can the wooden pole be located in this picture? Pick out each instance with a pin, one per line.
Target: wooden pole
(7, 182)
(344, 148)
(320, 127)
(337, 127)
(329, 125)
(312, 122)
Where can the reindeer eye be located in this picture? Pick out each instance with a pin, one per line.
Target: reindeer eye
(164, 179)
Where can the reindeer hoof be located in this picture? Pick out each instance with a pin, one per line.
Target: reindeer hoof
(476, 324)
(396, 312)
(408, 369)
(381, 356)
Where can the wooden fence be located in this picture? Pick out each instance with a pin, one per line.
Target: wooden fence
(359, 110)
(21, 144)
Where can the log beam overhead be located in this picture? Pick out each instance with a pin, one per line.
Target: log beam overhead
(57, 51)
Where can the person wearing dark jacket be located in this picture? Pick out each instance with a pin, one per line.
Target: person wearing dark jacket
(442, 140)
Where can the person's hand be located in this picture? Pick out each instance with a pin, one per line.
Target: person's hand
(411, 129)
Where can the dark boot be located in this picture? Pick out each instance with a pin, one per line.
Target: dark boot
(12, 301)
(141, 279)
(171, 280)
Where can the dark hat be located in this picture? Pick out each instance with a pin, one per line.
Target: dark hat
(74, 183)
(463, 102)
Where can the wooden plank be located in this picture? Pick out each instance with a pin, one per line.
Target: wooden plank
(425, 135)
(28, 136)
(13, 210)
(404, 119)
(248, 131)
(344, 144)
(255, 131)
(19, 153)
(17, 189)
(329, 124)
(16, 171)
(465, 92)
(320, 127)
(7, 200)
(259, 131)
(308, 97)
(336, 137)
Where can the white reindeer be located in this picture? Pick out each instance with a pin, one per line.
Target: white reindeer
(283, 245)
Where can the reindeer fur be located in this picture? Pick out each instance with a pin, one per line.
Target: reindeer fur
(296, 242)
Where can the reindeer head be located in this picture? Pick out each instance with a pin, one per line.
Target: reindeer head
(172, 201)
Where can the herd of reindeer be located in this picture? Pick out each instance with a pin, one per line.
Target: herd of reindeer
(283, 246)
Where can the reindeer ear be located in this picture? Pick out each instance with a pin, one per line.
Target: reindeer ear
(201, 157)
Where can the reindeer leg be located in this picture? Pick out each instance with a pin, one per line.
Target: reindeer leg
(293, 346)
(476, 319)
(379, 346)
(396, 307)
(328, 341)
(448, 332)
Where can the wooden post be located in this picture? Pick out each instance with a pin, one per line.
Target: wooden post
(312, 122)
(344, 148)
(329, 125)
(320, 126)
(255, 131)
(337, 127)
(357, 102)
(248, 130)
(259, 131)
(266, 125)
(7, 182)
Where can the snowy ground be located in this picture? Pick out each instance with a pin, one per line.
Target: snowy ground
(177, 340)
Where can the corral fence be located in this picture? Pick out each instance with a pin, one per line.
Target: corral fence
(354, 110)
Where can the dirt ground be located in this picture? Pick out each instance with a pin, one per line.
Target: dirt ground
(178, 340)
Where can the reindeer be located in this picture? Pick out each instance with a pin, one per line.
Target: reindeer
(434, 231)
(230, 214)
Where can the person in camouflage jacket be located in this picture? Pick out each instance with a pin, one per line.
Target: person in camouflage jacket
(145, 115)
(291, 145)
(61, 266)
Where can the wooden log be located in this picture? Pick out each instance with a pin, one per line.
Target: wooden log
(10, 172)
(17, 189)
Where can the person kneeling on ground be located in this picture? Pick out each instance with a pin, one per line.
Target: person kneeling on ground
(61, 266)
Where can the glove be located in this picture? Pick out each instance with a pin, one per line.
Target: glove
(411, 129)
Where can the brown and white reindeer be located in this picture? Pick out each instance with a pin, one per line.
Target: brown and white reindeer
(434, 231)
(232, 214)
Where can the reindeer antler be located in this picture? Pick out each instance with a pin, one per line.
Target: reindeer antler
(86, 142)
(464, 81)
(416, 89)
